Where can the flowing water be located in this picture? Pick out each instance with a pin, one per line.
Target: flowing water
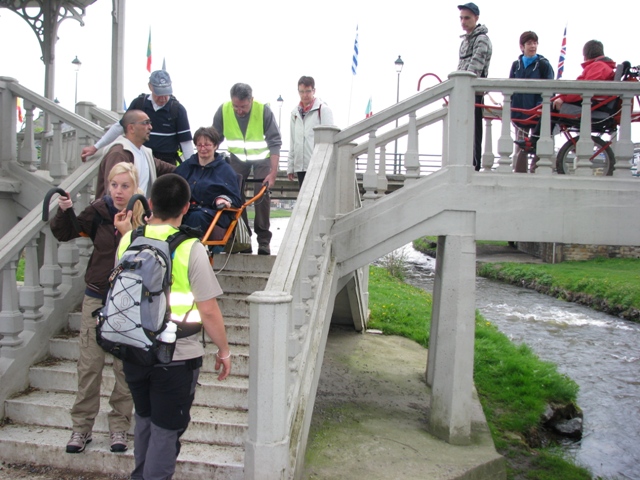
(600, 352)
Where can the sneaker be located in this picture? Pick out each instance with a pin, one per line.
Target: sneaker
(118, 441)
(264, 250)
(78, 442)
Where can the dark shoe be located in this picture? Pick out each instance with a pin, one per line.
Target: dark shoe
(526, 145)
(118, 442)
(78, 442)
(264, 250)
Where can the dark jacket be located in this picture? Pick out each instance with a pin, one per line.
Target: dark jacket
(96, 220)
(207, 183)
(538, 69)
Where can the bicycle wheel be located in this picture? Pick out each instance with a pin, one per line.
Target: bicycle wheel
(602, 160)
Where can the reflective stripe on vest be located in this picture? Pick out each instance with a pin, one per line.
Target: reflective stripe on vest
(251, 145)
(181, 298)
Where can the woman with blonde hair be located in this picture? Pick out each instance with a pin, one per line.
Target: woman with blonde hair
(104, 221)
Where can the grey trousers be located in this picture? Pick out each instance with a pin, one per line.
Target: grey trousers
(261, 169)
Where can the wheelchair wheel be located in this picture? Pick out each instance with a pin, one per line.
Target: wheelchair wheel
(602, 164)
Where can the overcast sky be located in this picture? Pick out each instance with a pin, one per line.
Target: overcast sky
(209, 46)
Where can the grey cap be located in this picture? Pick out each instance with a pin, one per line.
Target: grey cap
(161, 83)
(470, 6)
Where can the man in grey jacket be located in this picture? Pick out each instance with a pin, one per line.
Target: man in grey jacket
(475, 56)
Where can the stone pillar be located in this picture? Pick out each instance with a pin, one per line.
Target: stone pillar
(267, 446)
(450, 367)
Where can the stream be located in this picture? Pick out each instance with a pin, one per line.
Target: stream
(598, 351)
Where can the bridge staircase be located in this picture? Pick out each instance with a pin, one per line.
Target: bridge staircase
(38, 423)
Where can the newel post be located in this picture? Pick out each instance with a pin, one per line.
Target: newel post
(267, 446)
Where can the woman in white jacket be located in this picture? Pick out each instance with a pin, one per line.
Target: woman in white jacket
(309, 113)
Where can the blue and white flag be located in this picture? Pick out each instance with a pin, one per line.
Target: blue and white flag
(354, 64)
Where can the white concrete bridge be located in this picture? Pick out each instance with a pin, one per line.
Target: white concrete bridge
(332, 236)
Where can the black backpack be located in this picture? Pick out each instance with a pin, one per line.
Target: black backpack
(137, 306)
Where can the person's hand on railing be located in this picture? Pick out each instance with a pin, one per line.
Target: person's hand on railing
(87, 152)
(65, 203)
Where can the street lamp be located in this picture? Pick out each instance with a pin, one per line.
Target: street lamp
(280, 102)
(76, 65)
(399, 64)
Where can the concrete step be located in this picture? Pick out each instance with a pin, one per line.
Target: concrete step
(66, 347)
(243, 263)
(242, 282)
(234, 305)
(61, 376)
(46, 446)
(51, 409)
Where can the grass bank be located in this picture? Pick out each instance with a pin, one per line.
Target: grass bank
(513, 384)
(611, 285)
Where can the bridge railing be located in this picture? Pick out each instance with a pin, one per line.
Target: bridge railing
(290, 318)
(58, 133)
(45, 153)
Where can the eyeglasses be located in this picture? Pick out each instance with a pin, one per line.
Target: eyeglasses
(144, 122)
(308, 90)
(204, 145)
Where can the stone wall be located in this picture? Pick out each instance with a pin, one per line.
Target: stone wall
(563, 252)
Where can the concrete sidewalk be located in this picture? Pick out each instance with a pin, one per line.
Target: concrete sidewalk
(371, 412)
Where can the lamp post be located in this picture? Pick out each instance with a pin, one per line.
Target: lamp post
(76, 65)
(280, 102)
(399, 64)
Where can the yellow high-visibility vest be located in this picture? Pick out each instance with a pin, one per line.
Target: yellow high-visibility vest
(252, 145)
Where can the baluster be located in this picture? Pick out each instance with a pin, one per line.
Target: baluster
(505, 142)
(488, 157)
(11, 319)
(31, 293)
(544, 148)
(382, 170)
(370, 177)
(28, 154)
(412, 159)
(68, 257)
(50, 272)
(584, 147)
(623, 148)
(57, 165)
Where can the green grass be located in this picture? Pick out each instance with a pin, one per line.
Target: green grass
(610, 284)
(275, 213)
(513, 384)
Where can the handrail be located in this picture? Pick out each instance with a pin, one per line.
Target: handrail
(51, 107)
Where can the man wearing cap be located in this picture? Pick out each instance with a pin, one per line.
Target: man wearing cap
(171, 131)
(253, 140)
(475, 56)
